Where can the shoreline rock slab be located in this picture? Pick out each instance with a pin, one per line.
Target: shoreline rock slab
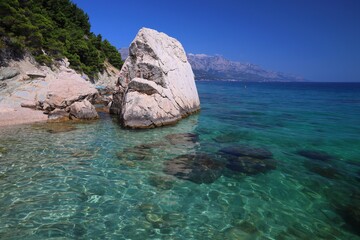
(156, 86)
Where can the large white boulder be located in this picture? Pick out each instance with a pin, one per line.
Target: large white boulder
(156, 86)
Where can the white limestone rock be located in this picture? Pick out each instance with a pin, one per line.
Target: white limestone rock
(48, 90)
(156, 86)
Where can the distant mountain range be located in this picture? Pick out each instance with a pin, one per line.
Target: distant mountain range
(216, 67)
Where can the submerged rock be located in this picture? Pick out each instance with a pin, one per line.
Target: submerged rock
(198, 168)
(232, 137)
(58, 115)
(161, 182)
(316, 155)
(351, 213)
(182, 138)
(246, 151)
(250, 165)
(156, 86)
(3, 150)
(139, 152)
(59, 128)
(248, 160)
(326, 171)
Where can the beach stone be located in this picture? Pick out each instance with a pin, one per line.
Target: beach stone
(29, 104)
(198, 168)
(316, 155)
(156, 86)
(8, 72)
(182, 138)
(36, 75)
(246, 151)
(83, 110)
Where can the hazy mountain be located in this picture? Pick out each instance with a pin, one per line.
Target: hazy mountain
(207, 67)
(216, 67)
(124, 52)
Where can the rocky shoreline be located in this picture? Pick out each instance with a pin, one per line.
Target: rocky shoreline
(155, 87)
(31, 93)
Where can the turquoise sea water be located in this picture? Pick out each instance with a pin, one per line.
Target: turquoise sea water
(260, 161)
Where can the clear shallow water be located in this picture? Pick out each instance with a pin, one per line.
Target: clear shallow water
(98, 181)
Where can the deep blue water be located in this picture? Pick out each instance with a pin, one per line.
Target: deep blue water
(260, 161)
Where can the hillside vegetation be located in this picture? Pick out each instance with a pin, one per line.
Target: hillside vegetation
(51, 30)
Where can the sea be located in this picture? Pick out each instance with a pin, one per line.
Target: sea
(259, 161)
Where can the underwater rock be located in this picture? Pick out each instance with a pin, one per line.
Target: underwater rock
(247, 227)
(161, 182)
(198, 168)
(153, 218)
(182, 138)
(235, 233)
(58, 115)
(150, 208)
(248, 160)
(250, 165)
(327, 171)
(231, 137)
(3, 150)
(247, 151)
(59, 128)
(351, 213)
(139, 152)
(316, 155)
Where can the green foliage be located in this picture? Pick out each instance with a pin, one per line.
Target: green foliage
(53, 29)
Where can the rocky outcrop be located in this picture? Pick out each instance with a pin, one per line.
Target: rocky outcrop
(156, 86)
(38, 93)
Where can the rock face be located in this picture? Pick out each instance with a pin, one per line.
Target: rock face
(156, 86)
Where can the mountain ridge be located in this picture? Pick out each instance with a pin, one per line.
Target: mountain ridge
(207, 67)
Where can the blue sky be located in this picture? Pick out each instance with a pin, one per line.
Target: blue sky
(317, 39)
